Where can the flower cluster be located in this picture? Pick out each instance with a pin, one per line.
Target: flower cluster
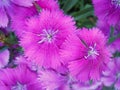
(41, 48)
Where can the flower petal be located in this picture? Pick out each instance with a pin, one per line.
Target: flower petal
(117, 85)
(25, 3)
(4, 58)
(3, 18)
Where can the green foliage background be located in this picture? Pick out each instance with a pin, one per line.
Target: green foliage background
(81, 10)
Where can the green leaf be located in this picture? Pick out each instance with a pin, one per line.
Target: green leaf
(11, 39)
(69, 4)
(85, 15)
(85, 12)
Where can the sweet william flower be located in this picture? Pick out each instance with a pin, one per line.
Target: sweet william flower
(86, 54)
(44, 36)
(8, 7)
(109, 11)
(19, 78)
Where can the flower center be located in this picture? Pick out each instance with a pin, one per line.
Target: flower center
(116, 2)
(92, 52)
(19, 86)
(48, 36)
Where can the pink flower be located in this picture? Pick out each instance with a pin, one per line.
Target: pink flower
(86, 54)
(19, 78)
(44, 36)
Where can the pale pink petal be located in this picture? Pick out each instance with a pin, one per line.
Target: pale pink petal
(3, 17)
(117, 84)
(4, 58)
(108, 81)
(21, 17)
(25, 3)
(51, 80)
(95, 73)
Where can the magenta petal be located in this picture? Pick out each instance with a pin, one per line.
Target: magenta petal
(19, 76)
(3, 87)
(3, 18)
(76, 53)
(21, 17)
(83, 76)
(4, 58)
(117, 85)
(25, 3)
(51, 80)
(95, 74)
(118, 63)
(108, 81)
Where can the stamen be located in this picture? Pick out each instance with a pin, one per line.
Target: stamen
(48, 36)
(19, 86)
(92, 52)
